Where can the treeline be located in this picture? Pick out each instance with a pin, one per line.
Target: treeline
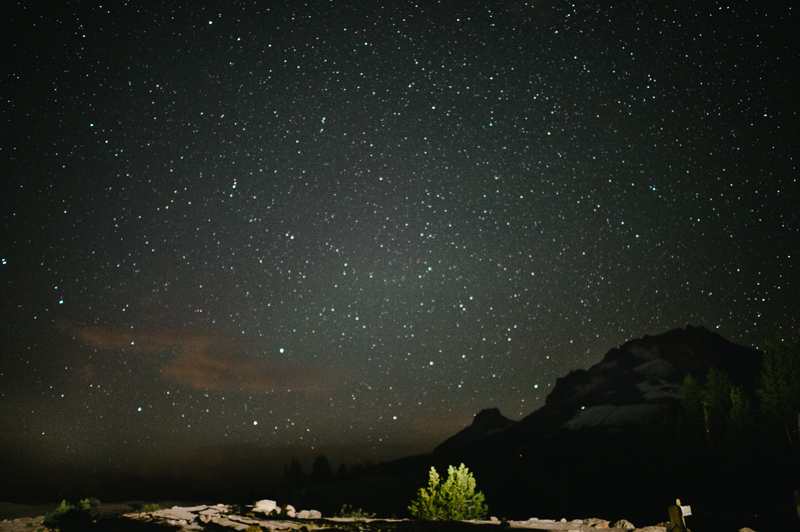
(732, 448)
(730, 421)
(294, 477)
(357, 486)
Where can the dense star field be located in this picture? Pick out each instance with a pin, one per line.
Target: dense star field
(357, 224)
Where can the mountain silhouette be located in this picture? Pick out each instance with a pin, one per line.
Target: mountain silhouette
(607, 443)
(634, 384)
(486, 422)
(638, 382)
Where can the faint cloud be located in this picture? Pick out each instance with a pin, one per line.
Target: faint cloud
(141, 341)
(200, 369)
(215, 362)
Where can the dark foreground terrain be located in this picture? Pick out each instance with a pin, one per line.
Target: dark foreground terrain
(122, 518)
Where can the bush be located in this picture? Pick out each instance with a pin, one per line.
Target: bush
(454, 500)
(354, 513)
(148, 508)
(68, 516)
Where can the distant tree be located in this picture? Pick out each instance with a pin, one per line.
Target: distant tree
(716, 403)
(741, 418)
(321, 469)
(692, 402)
(778, 388)
(293, 474)
(737, 421)
(342, 471)
(735, 443)
(357, 470)
(456, 499)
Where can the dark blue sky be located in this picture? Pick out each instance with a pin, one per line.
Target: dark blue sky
(359, 224)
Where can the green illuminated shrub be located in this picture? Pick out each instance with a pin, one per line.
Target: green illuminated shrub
(455, 500)
(69, 516)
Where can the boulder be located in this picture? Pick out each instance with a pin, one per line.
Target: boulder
(594, 522)
(179, 513)
(288, 511)
(623, 523)
(265, 506)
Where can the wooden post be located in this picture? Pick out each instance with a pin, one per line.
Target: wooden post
(676, 521)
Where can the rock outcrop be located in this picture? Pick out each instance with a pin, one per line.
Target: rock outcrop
(222, 516)
(643, 379)
(639, 381)
(668, 357)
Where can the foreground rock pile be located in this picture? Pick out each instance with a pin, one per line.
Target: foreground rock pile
(22, 523)
(266, 516)
(263, 515)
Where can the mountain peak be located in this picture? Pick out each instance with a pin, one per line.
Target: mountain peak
(485, 422)
(635, 382)
(644, 377)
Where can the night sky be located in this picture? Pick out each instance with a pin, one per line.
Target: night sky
(355, 225)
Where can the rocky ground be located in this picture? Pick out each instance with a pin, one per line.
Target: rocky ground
(220, 517)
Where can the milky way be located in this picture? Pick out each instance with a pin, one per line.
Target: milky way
(345, 225)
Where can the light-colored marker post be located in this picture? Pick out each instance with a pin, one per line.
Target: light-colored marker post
(677, 523)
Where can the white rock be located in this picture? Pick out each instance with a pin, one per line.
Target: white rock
(265, 506)
(178, 513)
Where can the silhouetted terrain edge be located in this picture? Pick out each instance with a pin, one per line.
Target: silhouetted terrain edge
(613, 441)
(609, 443)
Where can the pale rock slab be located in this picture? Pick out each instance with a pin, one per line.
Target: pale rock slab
(265, 506)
